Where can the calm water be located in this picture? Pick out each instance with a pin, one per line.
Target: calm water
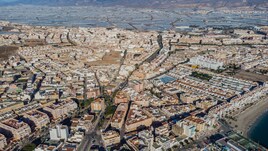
(259, 132)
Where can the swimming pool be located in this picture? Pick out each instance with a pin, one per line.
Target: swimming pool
(167, 79)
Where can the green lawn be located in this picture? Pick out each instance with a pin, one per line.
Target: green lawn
(29, 147)
(86, 103)
(201, 76)
(109, 110)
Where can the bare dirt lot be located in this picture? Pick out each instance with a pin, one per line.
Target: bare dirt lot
(34, 42)
(250, 76)
(6, 51)
(112, 57)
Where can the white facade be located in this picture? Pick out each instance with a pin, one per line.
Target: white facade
(59, 133)
(206, 62)
(189, 130)
(148, 138)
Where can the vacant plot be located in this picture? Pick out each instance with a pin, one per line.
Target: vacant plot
(6, 51)
(34, 42)
(7, 28)
(112, 57)
(250, 76)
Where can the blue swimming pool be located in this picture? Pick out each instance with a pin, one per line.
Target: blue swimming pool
(167, 79)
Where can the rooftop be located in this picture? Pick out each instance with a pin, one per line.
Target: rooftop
(14, 123)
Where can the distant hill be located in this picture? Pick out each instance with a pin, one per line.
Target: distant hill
(148, 3)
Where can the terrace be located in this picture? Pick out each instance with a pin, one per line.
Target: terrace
(36, 114)
(120, 111)
(14, 123)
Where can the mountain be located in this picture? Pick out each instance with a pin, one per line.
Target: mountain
(146, 3)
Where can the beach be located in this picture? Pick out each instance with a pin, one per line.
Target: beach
(247, 118)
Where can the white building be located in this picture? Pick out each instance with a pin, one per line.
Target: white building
(189, 130)
(148, 138)
(76, 138)
(59, 133)
(163, 141)
(206, 62)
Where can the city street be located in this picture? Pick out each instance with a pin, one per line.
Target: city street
(90, 136)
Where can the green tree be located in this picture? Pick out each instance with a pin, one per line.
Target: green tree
(29, 147)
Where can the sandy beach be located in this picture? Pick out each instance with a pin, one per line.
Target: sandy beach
(249, 116)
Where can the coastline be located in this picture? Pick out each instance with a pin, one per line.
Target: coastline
(247, 119)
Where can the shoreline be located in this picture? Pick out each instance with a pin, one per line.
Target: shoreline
(248, 119)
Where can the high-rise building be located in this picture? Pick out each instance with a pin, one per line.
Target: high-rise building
(189, 130)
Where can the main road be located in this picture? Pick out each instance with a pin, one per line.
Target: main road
(92, 133)
(90, 136)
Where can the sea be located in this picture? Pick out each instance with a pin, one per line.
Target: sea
(259, 131)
